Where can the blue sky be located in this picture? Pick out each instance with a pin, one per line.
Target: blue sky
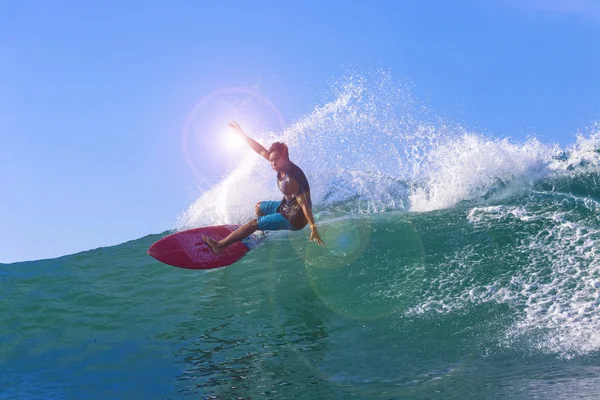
(94, 95)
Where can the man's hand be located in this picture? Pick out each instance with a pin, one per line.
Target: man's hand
(236, 127)
(254, 145)
(314, 235)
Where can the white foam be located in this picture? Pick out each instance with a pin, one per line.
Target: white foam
(469, 166)
(557, 288)
(581, 157)
(564, 305)
(479, 214)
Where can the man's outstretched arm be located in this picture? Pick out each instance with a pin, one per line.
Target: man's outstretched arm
(257, 147)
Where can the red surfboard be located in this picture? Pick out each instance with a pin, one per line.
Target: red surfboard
(186, 249)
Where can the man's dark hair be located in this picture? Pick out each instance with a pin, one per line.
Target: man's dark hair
(281, 148)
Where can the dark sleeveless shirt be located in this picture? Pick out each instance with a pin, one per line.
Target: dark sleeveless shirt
(289, 207)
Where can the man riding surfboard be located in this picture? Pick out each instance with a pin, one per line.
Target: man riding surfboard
(293, 212)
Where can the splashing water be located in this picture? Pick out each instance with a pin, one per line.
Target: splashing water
(372, 149)
(366, 143)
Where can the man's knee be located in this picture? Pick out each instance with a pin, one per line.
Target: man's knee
(253, 223)
(257, 210)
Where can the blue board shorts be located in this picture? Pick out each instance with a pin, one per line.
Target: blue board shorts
(272, 220)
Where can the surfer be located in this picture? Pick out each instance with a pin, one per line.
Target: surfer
(293, 212)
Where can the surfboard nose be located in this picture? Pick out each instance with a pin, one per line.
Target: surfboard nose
(152, 252)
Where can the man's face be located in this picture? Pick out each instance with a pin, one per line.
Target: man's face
(277, 161)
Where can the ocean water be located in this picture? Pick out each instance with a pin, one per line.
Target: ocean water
(457, 266)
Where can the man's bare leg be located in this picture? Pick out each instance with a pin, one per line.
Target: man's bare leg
(240, 233)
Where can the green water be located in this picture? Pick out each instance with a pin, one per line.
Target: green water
(478, 301)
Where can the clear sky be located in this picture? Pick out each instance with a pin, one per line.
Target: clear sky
(94, 95)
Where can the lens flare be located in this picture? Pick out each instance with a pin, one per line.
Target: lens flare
(230, 140)
(207, 140)
(344, 276)
(345, 240)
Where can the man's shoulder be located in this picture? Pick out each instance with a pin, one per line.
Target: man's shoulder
(296, 169)
(298, 175)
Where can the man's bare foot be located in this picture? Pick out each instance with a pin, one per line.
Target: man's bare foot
(214, 245)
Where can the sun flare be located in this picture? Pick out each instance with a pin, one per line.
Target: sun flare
(231, 140)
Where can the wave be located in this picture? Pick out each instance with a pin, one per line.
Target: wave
(373, 149)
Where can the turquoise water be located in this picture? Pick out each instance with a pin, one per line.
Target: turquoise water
(457, 266)
(478, 301)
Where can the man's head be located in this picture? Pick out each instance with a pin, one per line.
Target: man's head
(278, 156)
